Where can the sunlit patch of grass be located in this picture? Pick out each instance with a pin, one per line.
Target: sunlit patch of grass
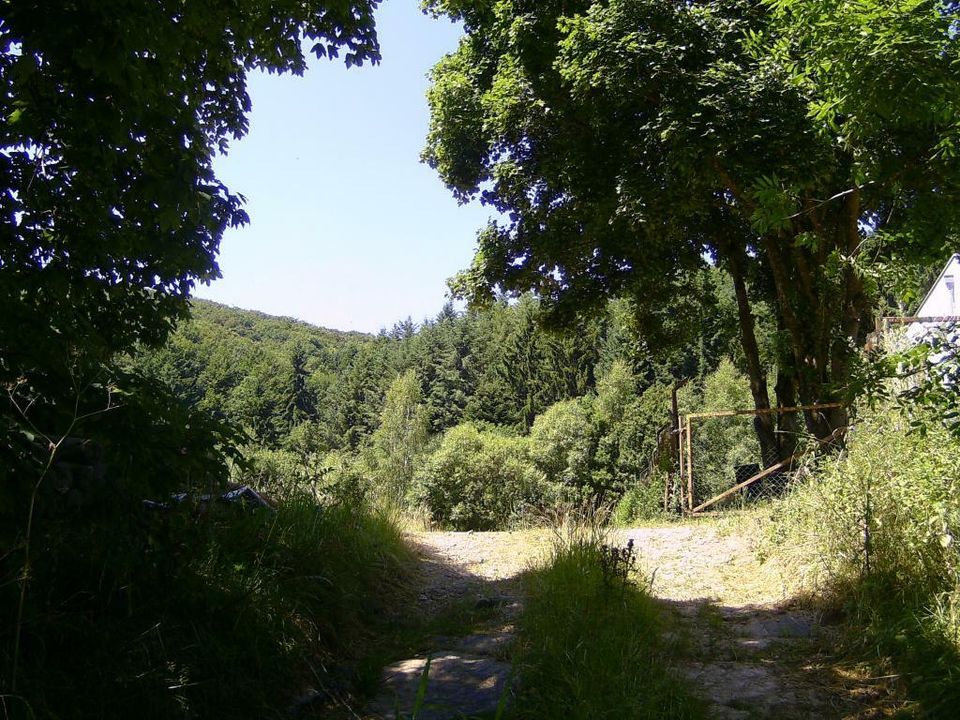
(591, 644)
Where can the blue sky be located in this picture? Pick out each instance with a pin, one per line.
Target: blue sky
(348, 229)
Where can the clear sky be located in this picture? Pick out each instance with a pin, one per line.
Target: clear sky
(348, 229)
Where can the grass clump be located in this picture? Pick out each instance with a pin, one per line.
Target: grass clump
(877, 532)
(591, 642)
(203, 612)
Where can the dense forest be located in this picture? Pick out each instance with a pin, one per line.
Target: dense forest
(591, 400)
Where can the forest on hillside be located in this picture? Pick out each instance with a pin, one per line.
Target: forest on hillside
(417, 415)
(584, 406)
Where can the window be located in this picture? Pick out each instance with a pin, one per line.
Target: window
(951, 294)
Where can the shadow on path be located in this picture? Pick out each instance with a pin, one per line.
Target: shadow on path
(769, 661)
(754, 653)
(469, 671)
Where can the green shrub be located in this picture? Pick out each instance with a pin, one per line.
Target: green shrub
(595, 448)
(477, 480)
(626, 450)
(590, 644)
(641, 501)
(278, 473)
(562, 445)
(879, 527)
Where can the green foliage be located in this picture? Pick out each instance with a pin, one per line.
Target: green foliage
(270, 375)
(477, 480)
(112, 114)
(879, 526)
(590, 644)
(279, 473)
(400, 439)
(616, 389)
(197, 613)
(796, 143)
(627, 451)
(641, 501)
(858, 60)
(935, 394)
(562, 445)
(597, 398)
(121, 433)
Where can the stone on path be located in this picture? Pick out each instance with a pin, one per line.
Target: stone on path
(738, 690)
(459, 685)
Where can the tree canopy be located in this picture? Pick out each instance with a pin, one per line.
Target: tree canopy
(623, 142)
(111, 114)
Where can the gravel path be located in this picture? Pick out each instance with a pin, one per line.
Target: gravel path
(746, 651)
(743, 648)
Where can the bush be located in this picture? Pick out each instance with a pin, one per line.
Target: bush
(477, 480)
(590, 644)
(626, 452)
(278, 473)
(879, 527)
(562, 445)
(641, 501)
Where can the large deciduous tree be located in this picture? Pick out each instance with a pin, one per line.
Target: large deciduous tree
(111, 113)
(792, 141)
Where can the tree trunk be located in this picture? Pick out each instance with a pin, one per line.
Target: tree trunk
(788, 424)
(809, 308)
(763, 424)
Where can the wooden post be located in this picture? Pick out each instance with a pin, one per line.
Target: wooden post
(666, 492)
(676, 444)
(689, 466)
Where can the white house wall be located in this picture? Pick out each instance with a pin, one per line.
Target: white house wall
(944, 298)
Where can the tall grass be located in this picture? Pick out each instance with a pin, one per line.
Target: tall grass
(228, 613)
(590, 643)
(877, 531)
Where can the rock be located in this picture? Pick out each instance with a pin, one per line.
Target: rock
(491, 603)
(740, 690)
(458, 686)
(489, 644)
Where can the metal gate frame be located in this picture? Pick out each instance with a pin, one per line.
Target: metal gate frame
(685, 437)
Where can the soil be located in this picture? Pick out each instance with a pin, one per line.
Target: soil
(747, 649)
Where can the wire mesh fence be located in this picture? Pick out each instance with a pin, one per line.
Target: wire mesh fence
(722, 465)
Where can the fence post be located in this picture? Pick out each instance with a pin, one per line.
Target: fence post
(689, 466)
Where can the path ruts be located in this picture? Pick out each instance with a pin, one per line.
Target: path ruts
(742, 645)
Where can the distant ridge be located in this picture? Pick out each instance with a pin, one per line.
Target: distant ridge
(255, 324)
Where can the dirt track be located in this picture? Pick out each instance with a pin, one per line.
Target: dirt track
(742, 644)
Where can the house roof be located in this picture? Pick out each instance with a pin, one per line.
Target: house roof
(933, 286)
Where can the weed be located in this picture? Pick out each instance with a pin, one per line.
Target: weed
(588, 649)
(875, 533)
(617, 563)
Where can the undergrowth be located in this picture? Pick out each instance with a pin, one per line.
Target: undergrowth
(876, 532)
(591, 642)
(192, 613)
